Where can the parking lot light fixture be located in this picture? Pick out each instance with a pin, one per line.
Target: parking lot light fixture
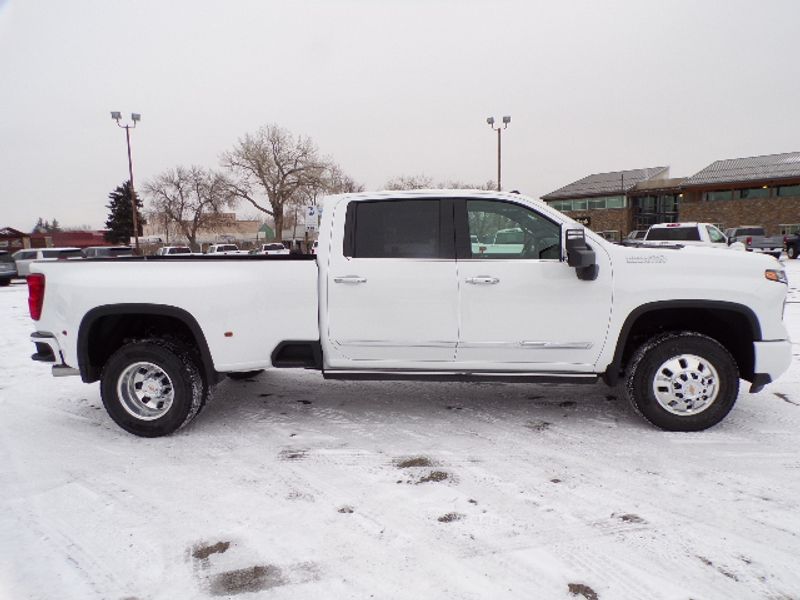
(135, 118)
(490, 121)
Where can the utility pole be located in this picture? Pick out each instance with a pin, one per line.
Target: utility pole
(499, 130)
(135, 118)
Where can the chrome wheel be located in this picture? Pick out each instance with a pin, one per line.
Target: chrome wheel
(145, 391)
(686, 384)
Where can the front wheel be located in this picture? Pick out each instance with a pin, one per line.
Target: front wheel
(683, 381)
(791, 252)
(152, 388)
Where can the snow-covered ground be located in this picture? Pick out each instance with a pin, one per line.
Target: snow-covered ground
(291, 487)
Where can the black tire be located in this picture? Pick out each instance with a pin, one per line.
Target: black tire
(240, 375)
(791, 251)
(776, 254)
(5, 282)
(652, 358)
(188, 390)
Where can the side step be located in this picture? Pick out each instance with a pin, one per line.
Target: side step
(503, 377)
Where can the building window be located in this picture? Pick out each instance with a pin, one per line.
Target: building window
(719, 195)
(752, 193)
(600, 203)
(789, 190)
(789, 228)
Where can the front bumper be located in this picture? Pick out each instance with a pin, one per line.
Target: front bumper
(772, 359)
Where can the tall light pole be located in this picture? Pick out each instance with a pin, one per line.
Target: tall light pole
(135, 118)
(498, 129)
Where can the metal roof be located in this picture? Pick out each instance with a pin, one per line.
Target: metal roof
(753, 168)
(601, 184)
(652, 185)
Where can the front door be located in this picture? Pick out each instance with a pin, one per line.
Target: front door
(522, 307)
(392, 292)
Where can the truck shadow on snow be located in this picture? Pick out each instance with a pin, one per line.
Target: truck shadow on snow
(283, 398)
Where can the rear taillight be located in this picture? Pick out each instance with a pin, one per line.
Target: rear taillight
(749, 240)
(35, 295)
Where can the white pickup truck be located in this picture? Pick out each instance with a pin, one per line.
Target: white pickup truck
(398, 290)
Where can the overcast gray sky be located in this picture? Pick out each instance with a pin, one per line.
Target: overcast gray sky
(387, 88)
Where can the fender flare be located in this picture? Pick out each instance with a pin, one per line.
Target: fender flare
(611, 375)
(164, 310)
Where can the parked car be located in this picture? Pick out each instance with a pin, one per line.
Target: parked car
(8, 268)
(107, 251)
(755, 239)
(225, 249)
(792, 244)
(634, 237)
(688, 234)
(273, 248)
(174, 251)
(24, 258)
(398, 293)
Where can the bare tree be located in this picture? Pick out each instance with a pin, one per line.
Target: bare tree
(410, 182)
(191, 199)
(418, 182)
(272, 169)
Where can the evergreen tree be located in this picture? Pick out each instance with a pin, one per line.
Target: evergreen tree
(39, 227)
(120, 219)
(54, 226)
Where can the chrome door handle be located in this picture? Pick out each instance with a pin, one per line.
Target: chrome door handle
(483, 279)
(350, 279)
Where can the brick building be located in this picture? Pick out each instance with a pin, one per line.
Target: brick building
(757, 190)
(601, 201)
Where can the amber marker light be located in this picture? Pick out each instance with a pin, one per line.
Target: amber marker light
(777, 275)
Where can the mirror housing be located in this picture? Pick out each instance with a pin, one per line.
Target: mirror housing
(580, 255)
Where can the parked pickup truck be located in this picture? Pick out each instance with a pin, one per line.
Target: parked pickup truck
(397, 291)
(225, 249)
(755, 239)
(688, 234)
(792, 245)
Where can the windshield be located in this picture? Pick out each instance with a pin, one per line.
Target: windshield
(183, 250)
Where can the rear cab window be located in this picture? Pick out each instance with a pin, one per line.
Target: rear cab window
(410, 229)
(674, 234)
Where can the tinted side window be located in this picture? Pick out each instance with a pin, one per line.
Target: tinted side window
(396, 229)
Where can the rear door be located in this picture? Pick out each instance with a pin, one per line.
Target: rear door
(522, 307)
(392, 289)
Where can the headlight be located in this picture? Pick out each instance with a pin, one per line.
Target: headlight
(778, 275)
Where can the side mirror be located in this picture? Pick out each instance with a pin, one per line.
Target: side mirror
(580, 255)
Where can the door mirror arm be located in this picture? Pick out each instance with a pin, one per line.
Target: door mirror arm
(580, 255)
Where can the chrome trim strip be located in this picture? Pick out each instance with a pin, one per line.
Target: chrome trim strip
(396, 344)
(532, 345)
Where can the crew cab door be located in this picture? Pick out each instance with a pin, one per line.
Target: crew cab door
(392, 293)
(522, 307)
